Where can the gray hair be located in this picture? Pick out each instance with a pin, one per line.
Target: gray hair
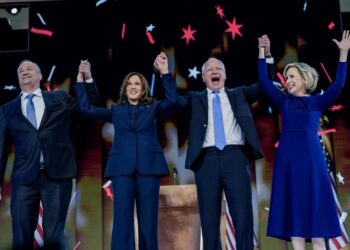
(36, 66)
(204, 67)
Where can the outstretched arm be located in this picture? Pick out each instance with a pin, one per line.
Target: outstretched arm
(343, 45)
(162, 67)
(333, 91)
(87, 95)
(85, 75)
(267, 84)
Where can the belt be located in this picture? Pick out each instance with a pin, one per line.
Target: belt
(227, 147)
(41, 165)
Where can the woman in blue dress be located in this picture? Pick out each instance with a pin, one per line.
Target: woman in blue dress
(302, 204)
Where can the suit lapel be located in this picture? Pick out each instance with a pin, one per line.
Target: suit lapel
(203, 96)
(48, 104)
(230, 98)
(142, 114)
(124, 114)
(19, 113)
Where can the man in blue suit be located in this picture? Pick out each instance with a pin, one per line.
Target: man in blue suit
(222, 142)
(39, 124)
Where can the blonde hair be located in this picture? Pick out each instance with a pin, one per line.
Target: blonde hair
(307, 72)
(145, 95)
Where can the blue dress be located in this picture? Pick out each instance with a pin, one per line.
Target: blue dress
(302, 203)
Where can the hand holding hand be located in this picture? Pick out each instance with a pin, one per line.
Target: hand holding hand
(161, 63)
(264, 42)
(84, 71)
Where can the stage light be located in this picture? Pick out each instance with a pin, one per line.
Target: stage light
(14, 11)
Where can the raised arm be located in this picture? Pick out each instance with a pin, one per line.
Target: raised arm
(333, 91)
(276, 95)
(87, 95)
(161, 66)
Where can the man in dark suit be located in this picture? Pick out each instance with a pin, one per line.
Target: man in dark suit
(222, 142)
(39, 124)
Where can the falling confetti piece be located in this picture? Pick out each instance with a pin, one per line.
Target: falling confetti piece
(41, 32)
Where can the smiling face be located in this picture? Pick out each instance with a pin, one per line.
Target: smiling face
(296, 83)
(29, 76)
(134, 89)
(214, 74)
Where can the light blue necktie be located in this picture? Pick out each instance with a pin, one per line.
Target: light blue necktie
(219, 131)
(31, 110)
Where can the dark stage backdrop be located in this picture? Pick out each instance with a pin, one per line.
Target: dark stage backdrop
(122, 36)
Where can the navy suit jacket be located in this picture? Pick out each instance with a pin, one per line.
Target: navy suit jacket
(240, 99)
(135, 146)
(52, 138)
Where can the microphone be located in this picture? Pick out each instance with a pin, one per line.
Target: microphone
(174, 176)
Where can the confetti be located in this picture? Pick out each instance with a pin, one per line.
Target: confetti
(188, 34)
(325, 71)
(326, 131)
(234, 28)
(41, 19)
(281, 78)
(152, 83)
(193, 72)
(41, 32)
(150, 38)
(51, 73)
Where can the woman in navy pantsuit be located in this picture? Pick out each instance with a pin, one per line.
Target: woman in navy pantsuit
(136, 161)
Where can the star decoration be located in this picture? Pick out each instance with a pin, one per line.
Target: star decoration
(9, 87)
(220, 11)
(188, 34)
(336, 107)
(150, 28)
(340, 178)
(234, 28)
(193, 72)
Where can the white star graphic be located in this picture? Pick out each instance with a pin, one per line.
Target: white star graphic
(193, 72)
(150, 28)
(340, 178)
(9, 87)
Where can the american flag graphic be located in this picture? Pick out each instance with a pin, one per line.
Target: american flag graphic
(39, 232)
(341, 241)
(230, 231)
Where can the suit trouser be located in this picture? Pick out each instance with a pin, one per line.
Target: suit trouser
(144, 189)
(227, 171)
(25, 203)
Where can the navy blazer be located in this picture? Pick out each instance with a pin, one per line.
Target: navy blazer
(240, 99)
(52, 137)
(136, 146)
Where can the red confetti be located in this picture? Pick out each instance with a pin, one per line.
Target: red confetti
(123, 31)
(150, 38)
(276, 144)
(281, 78)
(326, 131)
(220, 11)
(77, 245)
(325, 71)
(41, 31)
(234, 28)
(109, 192)
(331, 25)
(188, 34)
(336, 107)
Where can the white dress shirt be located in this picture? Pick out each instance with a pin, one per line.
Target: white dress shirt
(233, 132)
(39, 106)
